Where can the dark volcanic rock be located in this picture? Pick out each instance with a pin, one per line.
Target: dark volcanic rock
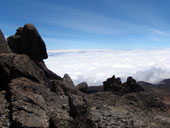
(13, 66)
(6, 62)
(133, 86)
(28, 41)
(115, 85)
(4, 110)
(4, 48)
(82, 87)
(67, 79)
(133, 110)
(28, 104)
(112, 84)
(31, 96)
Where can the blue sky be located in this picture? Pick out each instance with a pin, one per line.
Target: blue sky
(92, 24)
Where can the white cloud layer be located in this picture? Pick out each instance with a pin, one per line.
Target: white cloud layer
(94, 66)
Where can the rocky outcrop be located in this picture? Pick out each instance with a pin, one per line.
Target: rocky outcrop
(115, 85)
(133, 86)
(28, 41)
(4, 48)
(67, 79)
(31, 96)
(82, 87)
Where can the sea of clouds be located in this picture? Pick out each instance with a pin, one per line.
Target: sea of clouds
(95, 66)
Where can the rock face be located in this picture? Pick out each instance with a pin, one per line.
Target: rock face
(28, 41)
(4, 48)
(31, 96)
(27, 106)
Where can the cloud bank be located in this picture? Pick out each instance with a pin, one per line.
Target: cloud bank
(94, 66)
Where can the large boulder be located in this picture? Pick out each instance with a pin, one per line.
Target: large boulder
(82, 87)
(28, 41)
(132, 85)
(4, 48)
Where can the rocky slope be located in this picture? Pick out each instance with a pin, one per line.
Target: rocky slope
(31, 96)
(162, 89)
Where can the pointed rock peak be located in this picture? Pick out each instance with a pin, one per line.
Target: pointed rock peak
(67, 79)
(4, 48)
(2, 38)
(28, 41)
